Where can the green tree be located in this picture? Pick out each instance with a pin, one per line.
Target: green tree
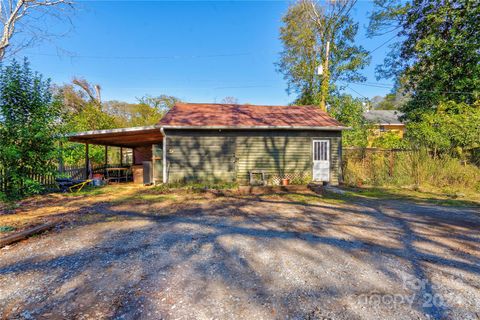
(349, 111)
(453, 129)
(162, 103)
(313, 37)
(392, 101)
(388, 103)
(131, 114)
(91, 117)
(388, 140)
(437, 55)
(148, 111)
(83, 110)
(29, 120)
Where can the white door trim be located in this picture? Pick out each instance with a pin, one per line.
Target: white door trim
(321, 160)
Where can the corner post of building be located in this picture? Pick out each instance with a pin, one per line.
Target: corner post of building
(164, 156)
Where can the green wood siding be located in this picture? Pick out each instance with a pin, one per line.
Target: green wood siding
(197, 157)
(228, 155)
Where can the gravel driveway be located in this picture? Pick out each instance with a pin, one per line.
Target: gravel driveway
(266, 257)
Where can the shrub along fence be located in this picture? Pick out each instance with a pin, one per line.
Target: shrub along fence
(48, 181)
(380, 167)
(76, 172)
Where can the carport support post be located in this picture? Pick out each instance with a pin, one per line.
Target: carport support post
(61, 165)
(106, 162)
(121, 157)
(87, 162)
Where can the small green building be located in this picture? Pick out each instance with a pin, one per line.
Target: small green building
(232, 143)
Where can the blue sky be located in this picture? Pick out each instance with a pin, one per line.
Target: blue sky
(198, 51)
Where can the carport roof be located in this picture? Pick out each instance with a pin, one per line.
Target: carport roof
(123, 137)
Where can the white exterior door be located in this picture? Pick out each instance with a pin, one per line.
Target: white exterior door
(321, 160)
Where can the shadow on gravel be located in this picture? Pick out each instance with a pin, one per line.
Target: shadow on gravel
(167, 242)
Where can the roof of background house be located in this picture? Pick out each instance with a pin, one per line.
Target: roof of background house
(209, 115)
(383, 116)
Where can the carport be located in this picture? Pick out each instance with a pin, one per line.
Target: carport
(145, 143)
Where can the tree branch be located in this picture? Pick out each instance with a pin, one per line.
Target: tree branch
(18, 9)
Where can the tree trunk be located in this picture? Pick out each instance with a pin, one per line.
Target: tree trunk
(325, 80)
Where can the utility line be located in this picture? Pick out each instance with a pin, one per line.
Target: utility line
(347, 86)
(242, 87)
(432, 91)
(143, 57)
(372, 85)
(384, 43)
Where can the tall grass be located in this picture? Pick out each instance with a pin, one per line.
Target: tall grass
(409, 168)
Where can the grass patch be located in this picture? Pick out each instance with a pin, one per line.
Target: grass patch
(7, 228)
(429, 196)
(8, 206)
(155, 197)
(148, 197)
(311, 198)
(194, 186)
(88, 191)
(335, 198)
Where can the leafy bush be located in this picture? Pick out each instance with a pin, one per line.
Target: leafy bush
(388, 140)
(31, 186)
(349, 111)
(301, 179)
(28, 125)
(7, 228)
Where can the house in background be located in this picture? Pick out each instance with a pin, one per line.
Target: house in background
(385, 121)
(229, 142)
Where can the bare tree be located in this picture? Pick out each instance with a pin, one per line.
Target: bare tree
(230, 100)
(93, 91)
(13, 12)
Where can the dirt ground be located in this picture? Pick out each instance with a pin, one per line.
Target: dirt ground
(130, 253)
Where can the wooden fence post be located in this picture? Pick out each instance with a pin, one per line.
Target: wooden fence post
(392, 163)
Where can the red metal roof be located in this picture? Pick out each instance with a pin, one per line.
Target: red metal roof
(238, 116)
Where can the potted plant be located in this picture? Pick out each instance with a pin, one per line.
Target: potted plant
(97, 179)
(285, 182)
(97, 176)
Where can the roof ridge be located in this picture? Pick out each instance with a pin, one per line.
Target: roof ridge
(244, 104)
